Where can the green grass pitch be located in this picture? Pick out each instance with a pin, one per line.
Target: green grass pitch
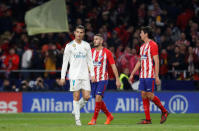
(122, 122)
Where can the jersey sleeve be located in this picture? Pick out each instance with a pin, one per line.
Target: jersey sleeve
(66, 58)
(154, 49)
(110, 57)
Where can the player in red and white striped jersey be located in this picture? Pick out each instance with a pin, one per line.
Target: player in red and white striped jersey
(149, 75)
(102, 57)
(147, 51)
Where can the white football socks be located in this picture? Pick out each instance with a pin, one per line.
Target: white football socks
(82, 103)
(76, 109)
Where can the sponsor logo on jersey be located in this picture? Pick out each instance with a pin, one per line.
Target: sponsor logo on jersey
(143, 57)
(96, 63)
(79, 55)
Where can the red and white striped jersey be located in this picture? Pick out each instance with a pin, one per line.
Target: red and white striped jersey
(147, 51)
(101, 59)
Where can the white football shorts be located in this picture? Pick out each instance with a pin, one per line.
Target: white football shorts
(76, 85)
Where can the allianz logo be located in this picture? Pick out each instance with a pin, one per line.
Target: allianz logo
(178, 104)
(134, 105)
(52, 105)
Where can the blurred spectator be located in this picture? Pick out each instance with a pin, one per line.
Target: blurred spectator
(177, 62)
(7, 86)
(50, 63)
(182, 41)
(39, 85)
(24, 86)
(163, 63)
(11, 62)
(141, 14)
(196, 49)
(184, 17)
(191, 60)
(125, 85)
(26, 62)
(123, 60)
(132, 62)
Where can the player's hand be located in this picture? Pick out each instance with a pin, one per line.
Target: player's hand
(130, 79)
(157, 80)
(118, 84)
(62, 82)
(92, 79)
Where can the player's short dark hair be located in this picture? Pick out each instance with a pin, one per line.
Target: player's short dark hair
(80, 27)
(148, 30)
(99, 35)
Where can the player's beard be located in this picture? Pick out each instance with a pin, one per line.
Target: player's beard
(96, 45)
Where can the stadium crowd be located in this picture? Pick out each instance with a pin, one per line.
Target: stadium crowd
(175, 30)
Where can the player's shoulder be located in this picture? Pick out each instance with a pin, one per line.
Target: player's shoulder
(153, 43)
(106, 50)
(85, 43)
(69, 44)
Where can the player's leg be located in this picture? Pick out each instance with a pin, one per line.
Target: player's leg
(85, 98)
(150, 95)
(75, 88)
(108, 114)
(98, 99)
(146, 103)
(85, 93)
(93, 92)
(76, 95)
(86, 90)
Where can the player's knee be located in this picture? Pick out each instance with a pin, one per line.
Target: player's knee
(76, 97)
(144, 96)
(98, 98)
(87, 97)
(150, 96)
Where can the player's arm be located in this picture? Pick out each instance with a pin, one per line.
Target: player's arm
(114, 68)
(90, 64)
(137, 66)
(66, 57)
(154, 54)
(156, 61)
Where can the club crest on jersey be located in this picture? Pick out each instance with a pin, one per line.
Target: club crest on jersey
(74, 45)
(100, 58)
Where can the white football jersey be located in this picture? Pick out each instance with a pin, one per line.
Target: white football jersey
(80, 58)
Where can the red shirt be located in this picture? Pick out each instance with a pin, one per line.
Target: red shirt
(12, 62)
(101, 59)
(147, 51)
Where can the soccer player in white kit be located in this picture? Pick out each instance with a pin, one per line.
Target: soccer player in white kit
(78, 54)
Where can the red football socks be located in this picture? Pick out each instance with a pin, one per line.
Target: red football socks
(97, 109)
(156, 100)
(104, 109)
(146, 105)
